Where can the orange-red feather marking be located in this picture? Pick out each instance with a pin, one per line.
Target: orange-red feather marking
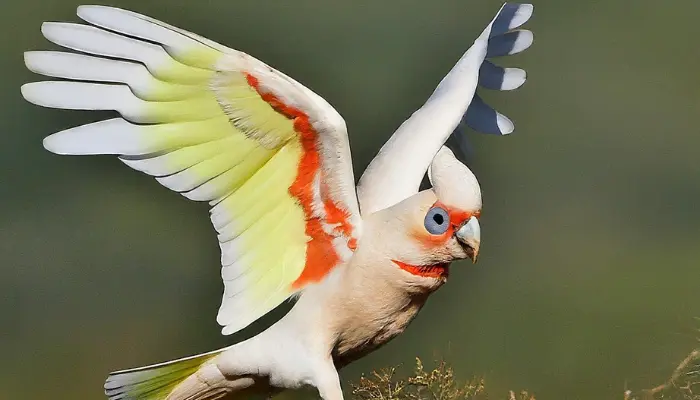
(321, 255)
(337, 216)
(427, 271)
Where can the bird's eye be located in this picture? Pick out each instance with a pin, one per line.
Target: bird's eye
(437, 221)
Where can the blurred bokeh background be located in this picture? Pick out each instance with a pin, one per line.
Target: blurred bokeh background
(589, 274)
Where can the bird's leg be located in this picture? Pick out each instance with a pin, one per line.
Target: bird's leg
(328, 383)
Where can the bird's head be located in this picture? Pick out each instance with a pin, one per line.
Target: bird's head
(434, 227)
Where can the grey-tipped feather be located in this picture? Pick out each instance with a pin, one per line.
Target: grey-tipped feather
(504, 39)
(494, 77)
(509, 43)
(511, 16)
(482, 118)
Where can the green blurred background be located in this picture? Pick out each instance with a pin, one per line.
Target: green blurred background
(589, 275)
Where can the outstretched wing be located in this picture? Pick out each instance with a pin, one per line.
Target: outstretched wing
(216, 125)
(454, 104)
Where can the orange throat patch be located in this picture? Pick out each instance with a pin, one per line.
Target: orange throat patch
(427, 271)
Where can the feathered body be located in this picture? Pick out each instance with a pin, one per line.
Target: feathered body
(272, 158)
(359, 307)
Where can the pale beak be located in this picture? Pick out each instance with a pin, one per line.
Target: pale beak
(469, 234)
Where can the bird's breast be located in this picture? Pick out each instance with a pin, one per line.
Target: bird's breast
(374, 326)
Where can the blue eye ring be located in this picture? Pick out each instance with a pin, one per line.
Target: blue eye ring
(437, 221)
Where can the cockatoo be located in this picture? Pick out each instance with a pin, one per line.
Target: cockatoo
(272, 158)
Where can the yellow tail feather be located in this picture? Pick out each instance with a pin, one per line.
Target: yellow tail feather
(154, 382)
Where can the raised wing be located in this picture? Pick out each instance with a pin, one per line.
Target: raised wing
(216, 125)
(453, 105)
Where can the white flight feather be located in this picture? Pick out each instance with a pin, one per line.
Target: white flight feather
(144, 27)
(178, 160)
(387, 180)
(395, 181)
(96, 41)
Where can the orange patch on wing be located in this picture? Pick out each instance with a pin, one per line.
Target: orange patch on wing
(334, 215)
(427, 271)
(321, 255)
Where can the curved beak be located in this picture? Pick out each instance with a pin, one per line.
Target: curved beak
(469, 234)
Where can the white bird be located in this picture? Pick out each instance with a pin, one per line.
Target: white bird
(273, 160)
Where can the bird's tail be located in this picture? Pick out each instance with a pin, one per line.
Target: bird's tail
(155, 382)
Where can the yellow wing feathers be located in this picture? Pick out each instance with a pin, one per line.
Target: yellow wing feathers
(216, 125)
